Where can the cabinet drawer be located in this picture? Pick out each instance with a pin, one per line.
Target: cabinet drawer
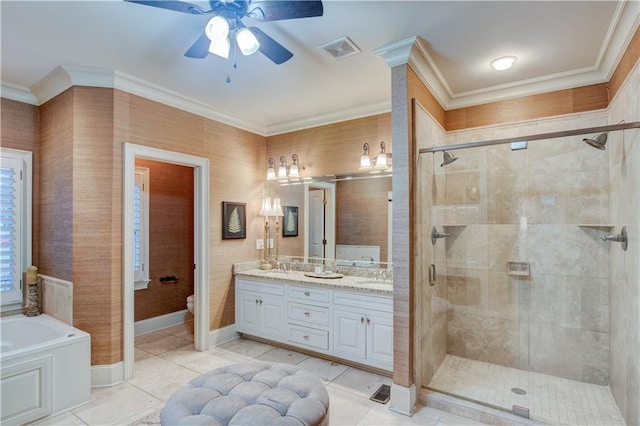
(378, 303)
(260, 287)
(309, 293)
(309, 337)
(318, 315)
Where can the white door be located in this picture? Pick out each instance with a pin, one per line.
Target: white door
(316, 223)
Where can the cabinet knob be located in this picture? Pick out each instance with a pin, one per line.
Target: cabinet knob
(305, 337)
(257, 301)
(306, 314)
(368, 321)
(306, 293)
(261, 301)
(361, 320)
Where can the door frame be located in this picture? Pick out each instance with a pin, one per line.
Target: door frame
(330, 218)
(201, 245)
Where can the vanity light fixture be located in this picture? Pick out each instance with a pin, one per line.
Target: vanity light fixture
(271, 170)
(381, 163)
(503, 63)
(365, 161)
(381, 159)
(286, 174)
(282, 170)
(294, 173)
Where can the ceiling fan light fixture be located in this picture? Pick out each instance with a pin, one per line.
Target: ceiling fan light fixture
(217, 28)
(247, 41)
(220, 47)
(503, 63)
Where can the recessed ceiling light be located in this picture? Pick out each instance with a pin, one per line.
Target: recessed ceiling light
(503, 63)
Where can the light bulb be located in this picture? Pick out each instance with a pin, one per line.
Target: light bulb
(247, 41)
(217, 28)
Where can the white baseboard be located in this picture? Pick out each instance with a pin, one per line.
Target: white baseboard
(222, 335)
(112, 374)
(162, 321)
(107, 375)
(403, 400)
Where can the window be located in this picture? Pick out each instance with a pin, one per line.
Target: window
(15, 224)
(141, 228)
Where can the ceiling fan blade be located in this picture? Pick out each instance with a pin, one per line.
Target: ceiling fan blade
(199, 49)
(178, 6)
(277, 10)
(271, 48)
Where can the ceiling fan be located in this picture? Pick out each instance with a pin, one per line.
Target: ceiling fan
(227, 24)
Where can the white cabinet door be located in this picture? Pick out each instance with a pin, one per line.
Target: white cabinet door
(349, 334)
(260, 315)
(247, 312)
(272, 316)
(380, 338)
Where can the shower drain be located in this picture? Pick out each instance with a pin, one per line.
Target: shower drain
(519, 391)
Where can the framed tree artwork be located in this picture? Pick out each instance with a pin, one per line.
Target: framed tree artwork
(234, 220)
(290, 221)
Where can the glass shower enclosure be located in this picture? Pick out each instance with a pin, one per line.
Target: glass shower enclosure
(515, 276)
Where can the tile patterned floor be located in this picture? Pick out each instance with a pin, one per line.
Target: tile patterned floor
(166, 360)
(549, 399)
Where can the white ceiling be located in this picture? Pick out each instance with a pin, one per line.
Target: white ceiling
(559, 44)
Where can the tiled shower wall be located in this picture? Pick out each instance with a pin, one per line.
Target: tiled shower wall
(527, 206)
(624, 161)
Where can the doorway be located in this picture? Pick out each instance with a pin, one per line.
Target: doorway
(201, 245)
(320, 221)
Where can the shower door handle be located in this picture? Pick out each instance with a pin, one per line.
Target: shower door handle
(432, 275)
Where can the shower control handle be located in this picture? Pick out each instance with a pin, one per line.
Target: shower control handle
(618, 238)
(435, 235)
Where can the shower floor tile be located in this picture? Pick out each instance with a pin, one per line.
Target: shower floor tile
(549, 399)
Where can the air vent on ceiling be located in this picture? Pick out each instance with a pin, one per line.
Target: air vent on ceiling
(341, 48)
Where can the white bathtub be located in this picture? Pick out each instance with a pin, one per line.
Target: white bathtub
(45, 366)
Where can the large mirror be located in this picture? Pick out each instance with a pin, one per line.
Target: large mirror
(343, 217)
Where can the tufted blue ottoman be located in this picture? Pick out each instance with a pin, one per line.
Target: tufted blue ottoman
(252, 393)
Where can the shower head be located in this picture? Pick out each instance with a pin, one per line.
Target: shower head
(448, 158)
(598, 141)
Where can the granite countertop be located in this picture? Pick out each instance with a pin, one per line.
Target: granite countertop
(346, 283)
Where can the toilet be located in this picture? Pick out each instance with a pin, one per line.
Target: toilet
(190, 303)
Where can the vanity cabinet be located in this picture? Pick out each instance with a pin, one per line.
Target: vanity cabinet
(344, 324)
(363, 329)
(260, 309)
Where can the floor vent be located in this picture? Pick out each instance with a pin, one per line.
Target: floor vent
(521, 411)
(382, 394)
(341, 48)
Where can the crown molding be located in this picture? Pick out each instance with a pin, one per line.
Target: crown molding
(17, 93)
(66, 76)
(333, 117)
(413, 52)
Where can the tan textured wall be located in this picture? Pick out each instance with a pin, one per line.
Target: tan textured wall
(19, 127)
(361, 213)
(56, 189)
(82, 136)
(237, 164)
(334, 148)
(97, 217)
(170, 240)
